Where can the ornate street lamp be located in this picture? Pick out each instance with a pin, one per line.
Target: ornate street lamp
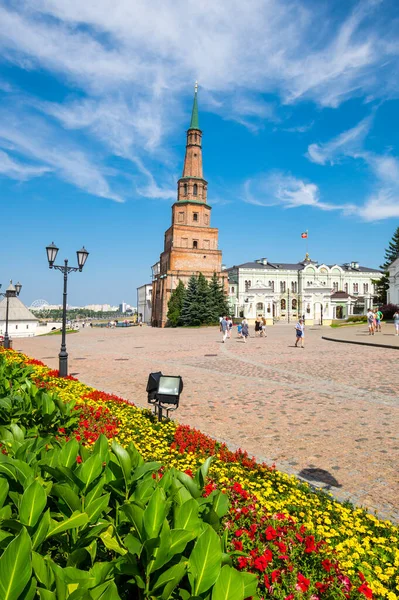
(11, 292)
(82, 255)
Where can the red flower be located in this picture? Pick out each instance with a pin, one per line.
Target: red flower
(302, 583)
(189, 473)
(61, 430)
(310, 545)
(238, 532)
(327, 565)
(276, 575)
(365, 590)
(238, 545)
(242, 562)
(78, 459)
(260, 563)
(270, 533)
(289, 597)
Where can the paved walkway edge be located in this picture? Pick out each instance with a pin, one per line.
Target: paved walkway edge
(329, 339)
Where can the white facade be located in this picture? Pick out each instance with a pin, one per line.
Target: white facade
(286, 291)
(393, 291)
(144, 302)
(21, 322)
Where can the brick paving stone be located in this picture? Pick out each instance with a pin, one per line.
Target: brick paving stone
(328, 413)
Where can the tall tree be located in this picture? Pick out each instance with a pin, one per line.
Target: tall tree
(190, 313)
(204, 301)
(219, 302)
(391, 253)
(175, 305)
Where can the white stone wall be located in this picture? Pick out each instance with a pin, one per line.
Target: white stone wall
(393, 292)
(144, 299)
(20, 329)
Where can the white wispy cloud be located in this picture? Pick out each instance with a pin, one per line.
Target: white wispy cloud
(34, 139)
(281, 189)
(16, 170)
(383, 202)
(131, 63)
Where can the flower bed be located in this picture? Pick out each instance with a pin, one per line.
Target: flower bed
(300, 543)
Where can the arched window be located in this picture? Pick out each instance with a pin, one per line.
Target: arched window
(195, 244)
(346, 288)
(294, 304)
(195, 137)
(259, 307)
(232, 289)
(283, 304)
(247, 285)
(195, 189)
(185, 189)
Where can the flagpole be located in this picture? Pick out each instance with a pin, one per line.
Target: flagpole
(307, 242)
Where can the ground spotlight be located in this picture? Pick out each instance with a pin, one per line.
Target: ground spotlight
(164, 392)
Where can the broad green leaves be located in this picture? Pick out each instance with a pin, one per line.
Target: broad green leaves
(33, 502)
(15, 567)
(205, 561)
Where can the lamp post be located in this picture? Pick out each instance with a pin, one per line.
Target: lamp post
(82, 255)
(11, 292)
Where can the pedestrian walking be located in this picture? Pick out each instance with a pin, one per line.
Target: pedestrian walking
(239, 330)
(263, 332)
(378, 317)
(230, 324)
(224, 328)
(300, 333)
(396, 322)
(370, 321)
(244, 330)
(258, 326)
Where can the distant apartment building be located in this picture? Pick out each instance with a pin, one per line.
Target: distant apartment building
(144, 302)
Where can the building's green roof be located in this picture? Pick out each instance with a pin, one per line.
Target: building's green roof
(194, 115)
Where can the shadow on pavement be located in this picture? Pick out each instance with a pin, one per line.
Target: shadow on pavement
(319, 476)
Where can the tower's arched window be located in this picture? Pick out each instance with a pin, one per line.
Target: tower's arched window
(195, 189)
(283, 304)
(195, 244)
(185, 189)
(195, 137)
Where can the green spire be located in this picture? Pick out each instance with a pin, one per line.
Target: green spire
(194, 115)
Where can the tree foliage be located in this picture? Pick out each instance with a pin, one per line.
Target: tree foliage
(202, 303)
(175, 305)
(391, 253)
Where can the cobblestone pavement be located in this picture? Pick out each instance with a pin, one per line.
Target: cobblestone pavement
(329, 412)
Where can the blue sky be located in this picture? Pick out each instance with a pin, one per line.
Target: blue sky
(298, 104)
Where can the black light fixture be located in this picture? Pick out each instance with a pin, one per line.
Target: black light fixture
(52, 252)
(82, 255)
(11, 292)
(164, 392)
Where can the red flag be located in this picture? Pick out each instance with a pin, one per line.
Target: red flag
(304, 235)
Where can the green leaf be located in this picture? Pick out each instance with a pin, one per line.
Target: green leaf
(190, 484)
(17, 432)
(41, 530)
(42, 570)
(105, 591)
(8, 470)
(179, 540)
(220, 504)
(124, 460)
(46, 594)
(250, 584)
(186, 515)
(205, 561)
(148, 467)
(94, 493)
(101, 448)
(66, 493)
(110, 541)
(202, 472)
(75, 521)
(68, 454)
(91, 469)
(97, 507)
(155, 513)
(15, 567)
(229, 585)
(33, 503)
(133, 544)
(135, 515)
(4, 487)
(169, 579)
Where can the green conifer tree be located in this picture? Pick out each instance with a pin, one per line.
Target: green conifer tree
(190, 313)
(175, 305)
(204, 301)
(218, 298)
(391, 253)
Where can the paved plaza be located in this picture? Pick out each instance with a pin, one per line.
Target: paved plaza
(329, 412)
